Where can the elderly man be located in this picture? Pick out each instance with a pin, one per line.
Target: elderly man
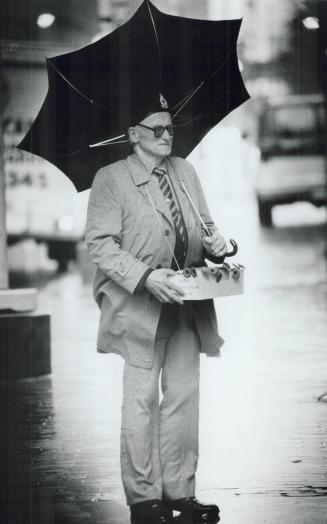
(141, 227)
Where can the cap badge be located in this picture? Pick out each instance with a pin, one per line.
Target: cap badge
(163, 102)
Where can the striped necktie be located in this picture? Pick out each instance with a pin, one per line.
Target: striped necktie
(174, 209)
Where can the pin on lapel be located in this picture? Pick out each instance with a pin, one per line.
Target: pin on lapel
(163, 101)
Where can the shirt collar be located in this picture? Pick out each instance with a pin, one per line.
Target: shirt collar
(150, 165)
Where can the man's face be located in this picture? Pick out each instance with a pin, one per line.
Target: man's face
(148, 143)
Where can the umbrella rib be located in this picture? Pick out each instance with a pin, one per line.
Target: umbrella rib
(105, 142)
(189, 98)
(101, 144)
(75, 88)
(90, 146)
(224, 62)
(200, 85)
(157, 40)
(189, 121)
(182, 101)
(73, 152)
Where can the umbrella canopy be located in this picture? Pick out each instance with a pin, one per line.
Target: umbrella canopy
(96, 93)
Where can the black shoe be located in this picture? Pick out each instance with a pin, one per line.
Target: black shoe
(193, 512)
(150, 512)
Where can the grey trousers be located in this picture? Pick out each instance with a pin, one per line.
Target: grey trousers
(159, 441)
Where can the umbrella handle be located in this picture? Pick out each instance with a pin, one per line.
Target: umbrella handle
(231, 253)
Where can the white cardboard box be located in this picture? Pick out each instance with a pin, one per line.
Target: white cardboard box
(204, 285)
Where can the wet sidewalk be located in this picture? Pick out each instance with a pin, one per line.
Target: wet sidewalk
(263, 435)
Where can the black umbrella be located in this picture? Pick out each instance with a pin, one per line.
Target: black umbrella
(96, 93)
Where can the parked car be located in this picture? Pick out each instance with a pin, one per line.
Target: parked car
(291, 138)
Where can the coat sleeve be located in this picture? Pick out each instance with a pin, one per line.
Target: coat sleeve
(104, 231)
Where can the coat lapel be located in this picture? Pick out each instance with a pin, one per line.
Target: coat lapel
(146, 182)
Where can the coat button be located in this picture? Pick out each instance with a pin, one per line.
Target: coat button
(166, 232)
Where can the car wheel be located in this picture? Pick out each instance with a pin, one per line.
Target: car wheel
(265, 213)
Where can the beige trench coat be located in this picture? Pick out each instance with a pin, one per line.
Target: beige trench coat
(124, 238)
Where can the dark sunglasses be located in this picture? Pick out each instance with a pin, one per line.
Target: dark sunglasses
(158, 131)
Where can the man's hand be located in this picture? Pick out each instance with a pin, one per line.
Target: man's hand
(160, 286)
(215, 245)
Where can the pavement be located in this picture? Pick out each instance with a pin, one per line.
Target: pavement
(263, 433)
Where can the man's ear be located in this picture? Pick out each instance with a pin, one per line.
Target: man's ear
(133, 135)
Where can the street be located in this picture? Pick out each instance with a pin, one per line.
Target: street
(263, 445)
